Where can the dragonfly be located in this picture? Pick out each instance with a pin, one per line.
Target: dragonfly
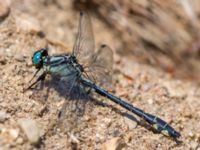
(85, 70)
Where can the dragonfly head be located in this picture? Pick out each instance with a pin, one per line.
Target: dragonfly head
(38, 57)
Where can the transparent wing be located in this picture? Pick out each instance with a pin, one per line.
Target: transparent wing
(84, 44)
(76, 99)
(101, 68)
(73, 109)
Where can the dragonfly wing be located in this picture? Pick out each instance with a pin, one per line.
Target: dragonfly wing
(101, 68)
(84, 44)
(73, 109)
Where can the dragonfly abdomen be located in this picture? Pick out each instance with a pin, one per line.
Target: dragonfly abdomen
(158, 124)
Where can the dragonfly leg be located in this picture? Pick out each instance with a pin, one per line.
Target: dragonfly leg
(40, 78)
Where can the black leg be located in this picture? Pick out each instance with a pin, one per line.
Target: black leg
(40, 78)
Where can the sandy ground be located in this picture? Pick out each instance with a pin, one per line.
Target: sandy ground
(106, 125)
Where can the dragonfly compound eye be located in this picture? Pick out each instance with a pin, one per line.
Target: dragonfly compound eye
(36, 59)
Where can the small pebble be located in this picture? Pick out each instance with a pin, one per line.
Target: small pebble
(3, 116)
(198, 148)
(19, 141)
(191, 134)
(150, 101)
(31, 129)
(14, 133)
(19, 57)
(74, 138)
(4, 8)
(193, 145)
(113, 144)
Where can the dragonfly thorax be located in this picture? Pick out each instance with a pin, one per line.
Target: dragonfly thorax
(62, 66)
(75, 63)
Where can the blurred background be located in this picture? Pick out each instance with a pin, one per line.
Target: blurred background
(162, 34)
(156, 47)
